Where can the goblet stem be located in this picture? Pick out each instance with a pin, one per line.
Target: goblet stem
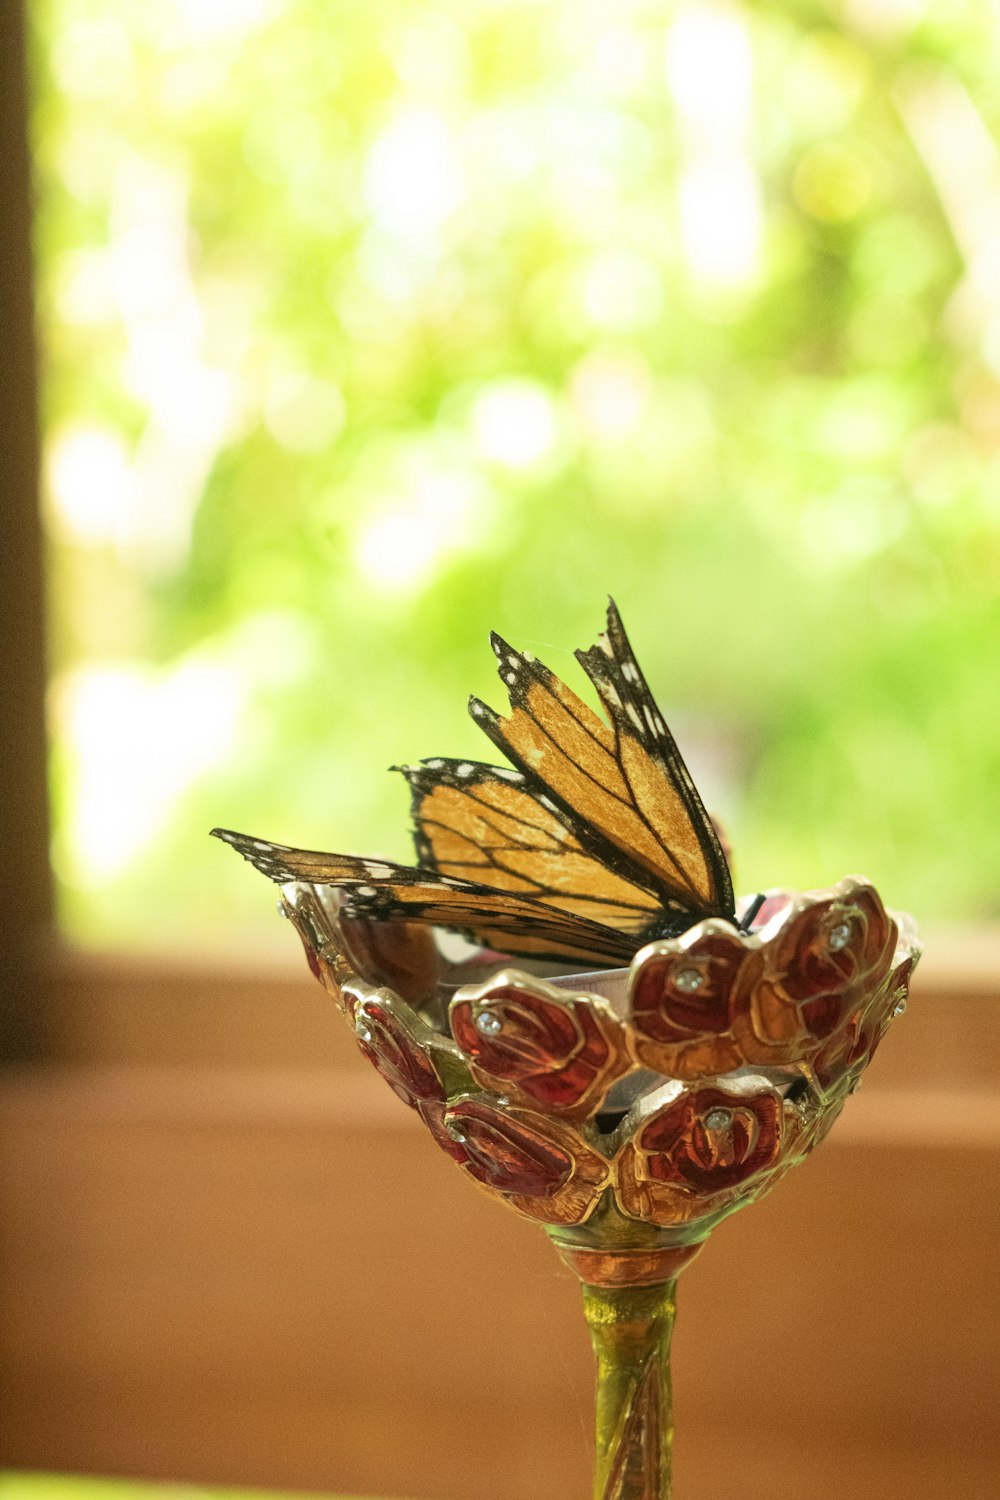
(630, 1327)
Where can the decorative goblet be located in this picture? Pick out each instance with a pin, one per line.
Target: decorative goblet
(631, 1110)
(636, 1055)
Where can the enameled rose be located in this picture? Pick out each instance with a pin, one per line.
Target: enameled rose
(563, 1051)
(819, 961)
(705, 1148)
(542, 1166)
(852, 1048)
(683, 998)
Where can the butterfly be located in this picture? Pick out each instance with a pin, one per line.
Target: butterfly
(592, 842)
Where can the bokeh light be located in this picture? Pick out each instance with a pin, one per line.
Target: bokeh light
(363, 335)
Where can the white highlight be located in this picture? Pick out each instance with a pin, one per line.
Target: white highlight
(445, 509)
(710, 75)
(515, 423)
(962, 157)
(412, 179)
(90, 484)
(188, 400)
(220, 18)
(137, 739)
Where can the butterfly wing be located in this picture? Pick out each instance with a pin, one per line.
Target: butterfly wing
(498, 827)
(661, 783)
(596, 841)
(387, 892)
(621, 786)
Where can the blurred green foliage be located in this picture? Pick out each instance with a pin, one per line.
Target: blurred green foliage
(367, 329)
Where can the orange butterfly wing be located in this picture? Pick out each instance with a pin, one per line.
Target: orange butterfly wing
(595, 843)
(488, 824)
(621, 786)
(387, 892)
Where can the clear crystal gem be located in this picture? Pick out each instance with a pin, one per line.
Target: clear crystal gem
(688, 980)
(455, 1133)
(900, 1009)
(488, 1023)
(362, 1026)
(839, 936)
(719, 1119)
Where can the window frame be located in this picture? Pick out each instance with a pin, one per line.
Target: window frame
(27, 913)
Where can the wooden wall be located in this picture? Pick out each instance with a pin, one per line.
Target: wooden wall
(229, 1254)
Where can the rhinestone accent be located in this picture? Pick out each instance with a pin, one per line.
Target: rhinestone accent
(900, 1009)
(719, 1118)
(688, 980)
(839, 936)
(456, 1134)
(362, 1026)
(488, 1023)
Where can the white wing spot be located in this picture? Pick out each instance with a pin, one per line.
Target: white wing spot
(659, 725)
(513, 663)
(260, 844)
(548, 802)
(435, 765)
(633, 714)
(365, 890)
(650, 717)
(510, 677)
(478, 710)
(507, 775)
(497, 648)
(380, 871)
(465, 769)
(629, 672)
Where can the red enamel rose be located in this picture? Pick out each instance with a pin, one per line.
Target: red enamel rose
(826, 957)
(508, 1155)
(561, 1050)
(852, 1048)
(542, 1166)
(708, 1140)
(684, 997)
(390, 1045)
(706, 1151)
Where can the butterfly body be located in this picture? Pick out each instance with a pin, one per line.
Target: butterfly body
(590, 844)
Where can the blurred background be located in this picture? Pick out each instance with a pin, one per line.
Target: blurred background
(362, 330)
(365, 331)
